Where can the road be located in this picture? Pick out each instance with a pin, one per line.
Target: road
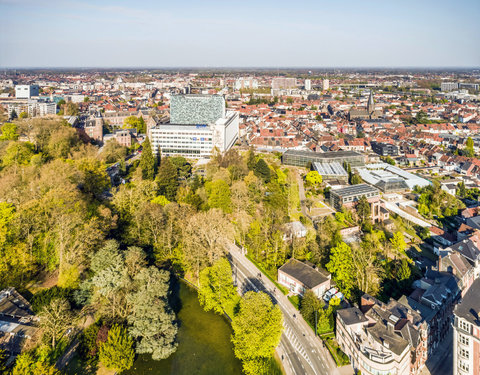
(303, 353)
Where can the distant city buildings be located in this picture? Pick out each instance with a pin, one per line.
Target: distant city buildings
(384, 149)
(308, 84)
(306, 158)
(284, 83)
(246, 83)
(325, 84)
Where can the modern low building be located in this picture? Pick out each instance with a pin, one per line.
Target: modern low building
(195, 132)
(306, 158)
(384, 149)
(466, 333)
(298, 277)
(350, 195)
(389, 178)
(331, 171)
(26, 91)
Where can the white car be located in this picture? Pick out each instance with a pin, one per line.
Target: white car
(329, 294)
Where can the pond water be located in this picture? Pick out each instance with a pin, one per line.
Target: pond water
(204, 344)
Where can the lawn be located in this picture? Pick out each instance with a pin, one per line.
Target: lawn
(340, 357)
(295, 300)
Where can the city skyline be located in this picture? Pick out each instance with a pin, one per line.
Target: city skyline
(213, 34)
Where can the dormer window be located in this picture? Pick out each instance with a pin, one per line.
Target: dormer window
(463, 325)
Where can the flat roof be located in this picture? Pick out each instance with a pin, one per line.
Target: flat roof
(355, 190)
(326, 155)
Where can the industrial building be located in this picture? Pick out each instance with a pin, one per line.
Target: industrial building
(389, 178)
(307, 158)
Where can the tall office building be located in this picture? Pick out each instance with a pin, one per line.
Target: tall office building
(196, 109)
(198, 124)
(449, 86)
(308, 84)
(26, 91)
(283, 83)
(326, 84)
(466, 333)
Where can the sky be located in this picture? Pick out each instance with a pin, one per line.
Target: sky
(260, 33)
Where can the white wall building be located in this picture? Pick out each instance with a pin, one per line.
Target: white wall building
(195, 141)
(26, 91)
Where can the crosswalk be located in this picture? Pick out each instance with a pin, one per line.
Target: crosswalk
(292, 337)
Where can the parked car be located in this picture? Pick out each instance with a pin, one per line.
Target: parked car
(329, 294)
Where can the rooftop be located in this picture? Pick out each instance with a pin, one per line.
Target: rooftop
(307, 275)
(469, 307)
(355, 190)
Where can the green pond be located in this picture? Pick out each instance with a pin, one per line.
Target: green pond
(204, 345)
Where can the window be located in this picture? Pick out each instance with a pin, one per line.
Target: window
(463, 325)
(463, 366)
(463, 339)
(464, 353)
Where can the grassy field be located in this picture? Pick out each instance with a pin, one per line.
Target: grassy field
(340, 357)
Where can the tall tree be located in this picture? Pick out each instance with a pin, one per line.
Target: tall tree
(257, 329)
(251, 159)
(55, 319)
(470, 152)
(398, 242)
(117, 352)
(219, 195)
(262, 170)
(147, 161)
(216, 286)
(341, 267)
(363, 209)
(167, 179)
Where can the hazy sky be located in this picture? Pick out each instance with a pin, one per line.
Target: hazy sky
(202, 33)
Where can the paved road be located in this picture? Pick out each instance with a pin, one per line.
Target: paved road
(303, 352)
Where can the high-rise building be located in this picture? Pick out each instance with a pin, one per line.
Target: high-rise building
(308, 84)
(326, 84)
(466, 333)
(283, 83)
(196, 109)
(449, 86)
(198, 125)
(26, 91)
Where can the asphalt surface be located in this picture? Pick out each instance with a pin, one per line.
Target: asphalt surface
(301, 352)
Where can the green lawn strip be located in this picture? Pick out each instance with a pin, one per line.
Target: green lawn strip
(340, 357)
(262, 270)
(295, 300)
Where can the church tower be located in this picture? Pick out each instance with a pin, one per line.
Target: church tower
(371, 104)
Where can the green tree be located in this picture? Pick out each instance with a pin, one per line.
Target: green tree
(403, 270)
(313, 178)
(262, 170)
(23, 115)
(167, 179)
(356, 179)
(257, 329)
(363, 209)
(342, 268)
(9, 132)
(135, 122)
(147, 161)
(398, 242)
(218, 193)
(152, 322)
(117, 352)
(3, 360)
(216, 286)
(95, 179)
(251, 159)
(55, 319)
(309, 305)
(469, 151)
(17, 153)
(27, 364)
